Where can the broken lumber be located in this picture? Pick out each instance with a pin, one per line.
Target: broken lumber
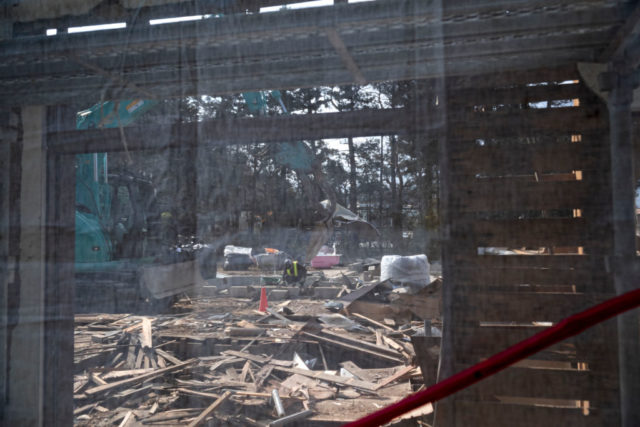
(134, 327)
(351, 382)
(247, 356)
(175, 414)
(138, 379)
(126, 419)
(373, 322)
(168, 357)
(394, 345)
(146, 339)
(198, 393)
(354, 347)
(362, 343)
(210, 409)
(398, 374)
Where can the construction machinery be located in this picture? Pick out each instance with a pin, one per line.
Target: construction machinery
(126, 253)
(127, 256)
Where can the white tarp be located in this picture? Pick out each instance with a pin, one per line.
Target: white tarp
(237, 250)
(412, 269)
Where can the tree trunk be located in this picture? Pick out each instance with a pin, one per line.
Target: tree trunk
(353, 192)
(381, 180)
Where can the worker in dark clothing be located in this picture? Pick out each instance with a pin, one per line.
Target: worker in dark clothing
(294, 273)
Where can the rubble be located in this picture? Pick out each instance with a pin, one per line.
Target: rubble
(217, 360)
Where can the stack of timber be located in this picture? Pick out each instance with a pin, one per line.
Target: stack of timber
(527, 194)
(221, 362)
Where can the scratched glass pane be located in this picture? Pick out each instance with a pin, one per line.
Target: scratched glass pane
(274, 212)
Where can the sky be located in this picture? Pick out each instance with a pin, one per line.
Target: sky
(171, 20)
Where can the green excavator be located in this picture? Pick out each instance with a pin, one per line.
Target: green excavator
(124, 255)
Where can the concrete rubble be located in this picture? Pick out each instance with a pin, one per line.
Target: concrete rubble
(327, 353)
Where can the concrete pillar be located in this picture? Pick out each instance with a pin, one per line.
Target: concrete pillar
(26, 354)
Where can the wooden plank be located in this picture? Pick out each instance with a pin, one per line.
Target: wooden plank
(335, 379)
(521, 95)
(548, 384)
(146, 339)
(96, 379)
(127, 419)
(216, 396)
(372, 322)
(560, 262)
(397, 347)
(198, 393)
(511, 78)
(507, 194)
(532, 233)
(210, 409)
(224, 362)
(137, 325)
(473, 344)
(502, 159)
(362, 374)
(247, 356)
(362, 343)
(381, 355)
(569, 120)
(168, 357)
(246, 130)
(372, 309)
(161, 361)
(175, 414)
(499, 414)
(509, 278)
(396, 375)
(124, 373)
(83, 409)
(139, 378)
(524, 307)
(139, 359)
(129, 395)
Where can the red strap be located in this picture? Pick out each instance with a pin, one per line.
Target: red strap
(568, 327)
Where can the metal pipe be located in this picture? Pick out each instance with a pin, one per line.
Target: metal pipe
(291, 418)
(277, 402)
(95, 167)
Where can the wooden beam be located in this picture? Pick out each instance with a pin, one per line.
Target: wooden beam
(219, 401)
(625, 34)
(347, 59)
(27, 376)
(109, 75)
(542, 232)
(380, 352)
(243, 131)
(139, 378)
(335, 379)
(60, 287)
(499, 414)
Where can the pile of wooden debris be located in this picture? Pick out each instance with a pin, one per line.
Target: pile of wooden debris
(223, 363)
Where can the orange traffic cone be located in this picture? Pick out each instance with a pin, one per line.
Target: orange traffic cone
(263, 300)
